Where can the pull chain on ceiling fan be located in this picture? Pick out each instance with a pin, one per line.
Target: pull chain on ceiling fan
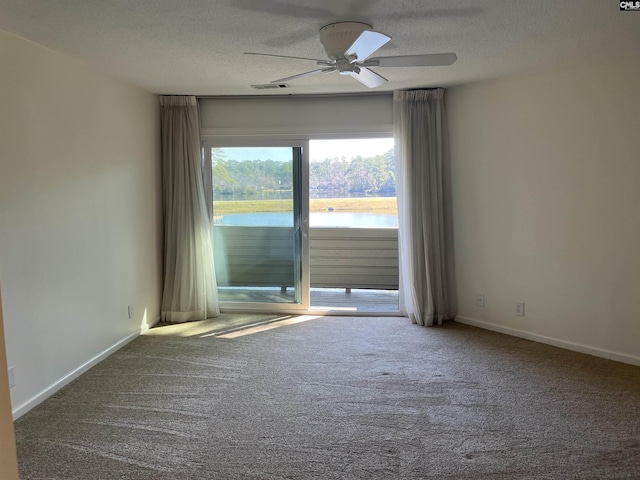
(349, 46)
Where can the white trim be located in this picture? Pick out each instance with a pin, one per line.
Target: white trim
(150, 325)
(576, 347)
(69, 377)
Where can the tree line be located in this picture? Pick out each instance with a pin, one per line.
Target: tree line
(329, 177)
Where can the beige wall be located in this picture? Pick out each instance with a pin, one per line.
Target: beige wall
(79, 214)
(546, 181)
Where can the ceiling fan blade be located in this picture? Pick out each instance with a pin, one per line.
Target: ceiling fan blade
(305, 74)
(318, 61)
(427, 60)
(368, 77)
(367, 43)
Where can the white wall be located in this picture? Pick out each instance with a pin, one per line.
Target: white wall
(79, 214)
(546, 186)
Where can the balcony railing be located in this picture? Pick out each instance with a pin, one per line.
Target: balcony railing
(339, 257)
(354, 257)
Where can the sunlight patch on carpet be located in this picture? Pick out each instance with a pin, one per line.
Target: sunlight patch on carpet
(268, 326)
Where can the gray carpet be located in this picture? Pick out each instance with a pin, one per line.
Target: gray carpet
(338, 398)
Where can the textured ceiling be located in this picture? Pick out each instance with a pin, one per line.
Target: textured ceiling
(196, 46)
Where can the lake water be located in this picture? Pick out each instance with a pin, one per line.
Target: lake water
(317, 219)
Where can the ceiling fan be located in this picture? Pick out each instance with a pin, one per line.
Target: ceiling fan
(349, 46)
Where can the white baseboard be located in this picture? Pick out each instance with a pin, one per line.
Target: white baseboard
(69, 377)
(150, 324)
(576, 347)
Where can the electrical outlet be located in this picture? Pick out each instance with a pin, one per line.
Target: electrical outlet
(12, 377)
(480, 300)
(130, 310)
(520, 309)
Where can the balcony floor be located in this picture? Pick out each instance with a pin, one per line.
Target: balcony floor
(324, 299)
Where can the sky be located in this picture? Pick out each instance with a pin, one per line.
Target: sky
(318, 150)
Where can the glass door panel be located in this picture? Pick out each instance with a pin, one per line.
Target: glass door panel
(354, 225)
(258, 225)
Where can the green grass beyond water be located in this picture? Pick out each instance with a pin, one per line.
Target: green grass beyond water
(381, 205)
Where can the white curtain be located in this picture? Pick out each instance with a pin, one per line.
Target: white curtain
(190, 291)
(427, 290)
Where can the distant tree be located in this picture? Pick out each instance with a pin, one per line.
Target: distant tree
(389, 185)
(222, 181)
(367, 175)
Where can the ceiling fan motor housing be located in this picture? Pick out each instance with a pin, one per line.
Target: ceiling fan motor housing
(345, 67)
(338, 37)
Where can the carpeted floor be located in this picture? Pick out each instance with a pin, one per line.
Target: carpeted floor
(338, 398)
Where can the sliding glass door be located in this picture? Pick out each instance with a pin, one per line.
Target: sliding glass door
(260, 225)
